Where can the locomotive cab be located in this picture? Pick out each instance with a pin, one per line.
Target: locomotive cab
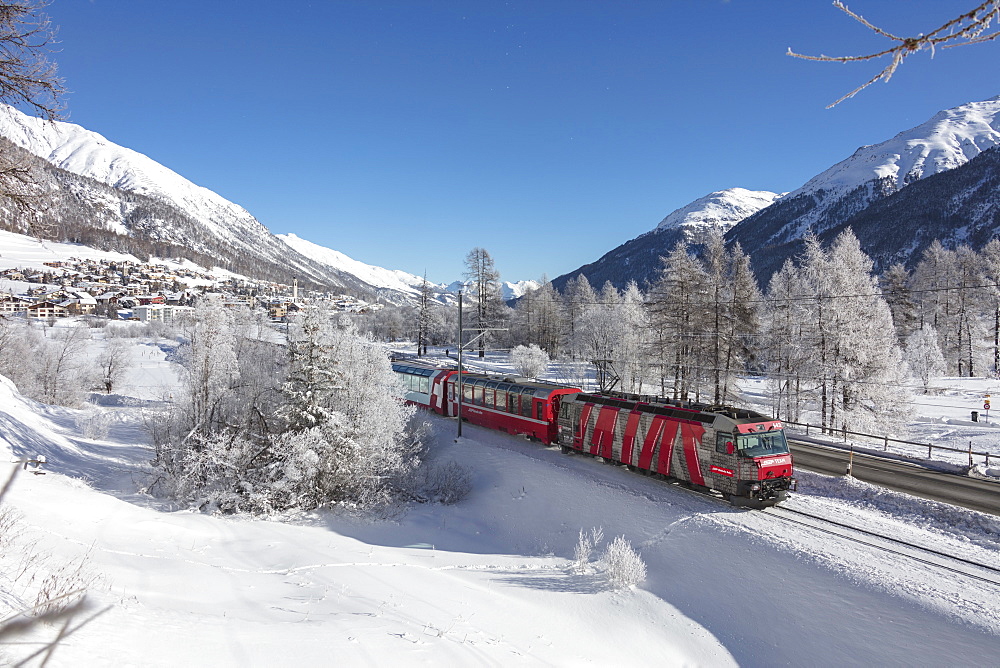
(765, 465)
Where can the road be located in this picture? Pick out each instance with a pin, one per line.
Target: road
(974, 493)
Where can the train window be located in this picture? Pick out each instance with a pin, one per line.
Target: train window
(513, 405)
(724, 444)
(501, 399)
(526, 402)
(765, 443)
(467, 391)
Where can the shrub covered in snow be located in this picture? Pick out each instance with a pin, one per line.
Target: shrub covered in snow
(529, 361)
(622, 565)
(585, 546)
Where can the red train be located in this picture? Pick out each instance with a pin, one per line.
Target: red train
(739, 453)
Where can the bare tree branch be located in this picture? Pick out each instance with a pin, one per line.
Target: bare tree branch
(969, 28)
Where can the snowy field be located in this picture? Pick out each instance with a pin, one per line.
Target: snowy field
(488, 581)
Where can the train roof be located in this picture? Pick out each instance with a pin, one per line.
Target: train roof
(685, 410)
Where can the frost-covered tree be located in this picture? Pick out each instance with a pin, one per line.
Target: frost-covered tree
(787, 350)
(19, 342)
(424, 316)
(923, 355)
(529, 361)
(351, 438)
(538, 318)
(489, 311)
(870, 389)
(681, 319)
(990, 267)
(341, 434)
(211, 367)
(631, 354)
(895, 283)
(578, 297)
(623, 566)
(847, 357)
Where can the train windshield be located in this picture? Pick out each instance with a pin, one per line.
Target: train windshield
(762, 444)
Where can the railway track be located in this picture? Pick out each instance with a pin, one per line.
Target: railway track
(919, 553)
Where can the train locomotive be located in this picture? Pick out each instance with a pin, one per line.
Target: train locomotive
(741, 454)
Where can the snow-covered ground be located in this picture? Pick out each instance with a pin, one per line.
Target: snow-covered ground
(487, 581)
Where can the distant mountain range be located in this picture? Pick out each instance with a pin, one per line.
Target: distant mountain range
(390, 281)
(938, 180)
(935, 181)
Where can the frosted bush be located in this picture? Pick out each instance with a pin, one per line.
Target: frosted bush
(623, 566)
(529, 361)
(585, 547)
(446, 483)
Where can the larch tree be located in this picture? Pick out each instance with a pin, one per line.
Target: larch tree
(578, 296)
(681, 318)
(489, 312)
(990, 267)
(895, 283)
(787, 351)
(424, 316)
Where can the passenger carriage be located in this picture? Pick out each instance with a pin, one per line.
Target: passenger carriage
(515, 406)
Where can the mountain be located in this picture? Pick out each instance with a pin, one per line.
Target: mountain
(398, 286)
(639, 259)
(874, 192)
(959, 206)
(113, 198)
(849, 190)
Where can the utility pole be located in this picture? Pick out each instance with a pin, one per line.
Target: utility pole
(460, 346)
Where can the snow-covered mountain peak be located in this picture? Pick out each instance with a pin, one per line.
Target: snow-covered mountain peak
(948, 139)
(721, 209)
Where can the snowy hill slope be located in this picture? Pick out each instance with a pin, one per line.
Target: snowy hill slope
(384, 279)
(104, 189)
(488, 581)
(80, 151)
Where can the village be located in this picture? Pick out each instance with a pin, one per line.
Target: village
(126, 290)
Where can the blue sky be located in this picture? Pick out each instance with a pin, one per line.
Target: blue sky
(405, 133)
